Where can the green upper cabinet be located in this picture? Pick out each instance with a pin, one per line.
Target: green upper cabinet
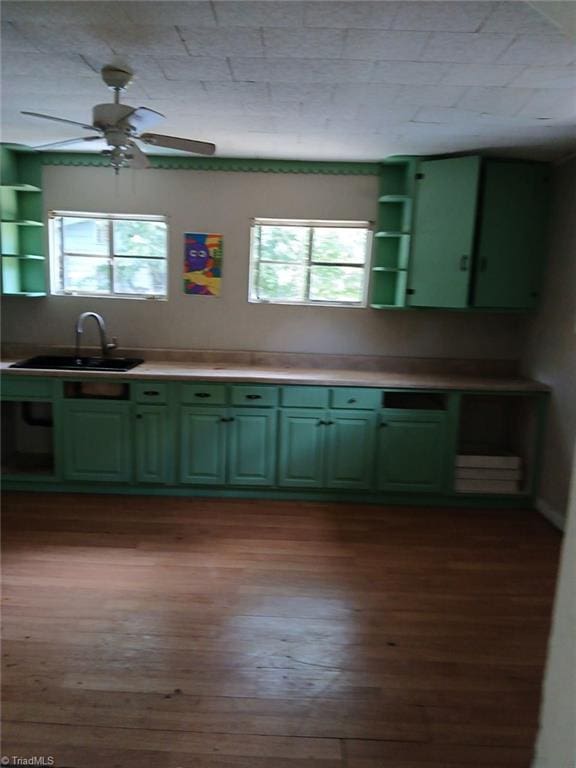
(444, 227)
(512, 233)
(479, 234)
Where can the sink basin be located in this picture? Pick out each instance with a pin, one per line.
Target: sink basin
(72, 363)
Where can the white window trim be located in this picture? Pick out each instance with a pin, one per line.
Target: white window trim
(55, 257)
(311, 223)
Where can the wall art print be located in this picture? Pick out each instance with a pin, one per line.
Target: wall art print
(202, 264)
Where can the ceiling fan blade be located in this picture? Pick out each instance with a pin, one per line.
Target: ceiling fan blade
(143, 118)
(174, 142)
(59, 120)
(138, 159)
(69, 141)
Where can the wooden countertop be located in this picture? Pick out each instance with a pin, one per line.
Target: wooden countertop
(182, 371)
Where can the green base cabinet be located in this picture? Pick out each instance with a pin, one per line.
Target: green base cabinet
(97, 441)
(203, 445)
(151, 444)
(252, 446)
(301, 462)
(411, 454)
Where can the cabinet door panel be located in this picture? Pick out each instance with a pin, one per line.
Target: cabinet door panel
(252, 446)
(96, 441)
(301, 448)
(203, 446)
(152, 448)
(443, 237)
(512, 234)
(350, 438)
(411, 452)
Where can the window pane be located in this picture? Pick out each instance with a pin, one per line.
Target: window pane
(143, 276)
(140, 238)
(87, 275)
(85, 236)
(283, 243)
(281, 282)
(338, 244)
(336, 284)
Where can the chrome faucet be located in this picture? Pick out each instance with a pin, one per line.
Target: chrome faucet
(105, 345)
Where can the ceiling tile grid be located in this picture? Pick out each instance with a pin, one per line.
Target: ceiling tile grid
(349, 80)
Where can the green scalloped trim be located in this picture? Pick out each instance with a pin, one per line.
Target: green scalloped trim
(221, 164)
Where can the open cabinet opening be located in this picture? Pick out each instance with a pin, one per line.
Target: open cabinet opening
(27, 438)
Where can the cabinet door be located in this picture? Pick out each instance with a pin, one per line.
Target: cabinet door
(302, 447)
(443, 236)
(252, 446)
(203, 446)
(511, 243)
(411, 451)
(151, 444)
(350, 438)
(96, 440)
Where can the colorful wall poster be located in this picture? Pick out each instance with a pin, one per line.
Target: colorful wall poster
(202, 264)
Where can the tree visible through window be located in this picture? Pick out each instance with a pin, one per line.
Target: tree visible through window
(304, 262)
(108, 254)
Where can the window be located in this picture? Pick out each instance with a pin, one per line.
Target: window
(106, 254)
(310, 262)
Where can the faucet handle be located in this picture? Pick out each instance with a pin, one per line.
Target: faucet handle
(112, 344)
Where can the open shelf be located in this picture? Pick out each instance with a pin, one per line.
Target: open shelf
(391, 251)
(388, 288)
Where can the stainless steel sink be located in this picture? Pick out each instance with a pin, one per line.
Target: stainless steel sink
(72, 363)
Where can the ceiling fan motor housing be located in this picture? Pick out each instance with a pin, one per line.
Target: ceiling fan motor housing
(117, 77)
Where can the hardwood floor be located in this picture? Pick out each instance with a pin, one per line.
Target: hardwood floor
(192, 633)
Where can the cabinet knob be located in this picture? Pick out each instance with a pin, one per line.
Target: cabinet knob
(138, 415)
(202, 394)
(328, 423)
(352, 400)
(151, 392)
(383, 424)
(227, 419)
(253, 397)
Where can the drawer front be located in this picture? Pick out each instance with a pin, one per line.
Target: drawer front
(150, 392)
(203, 394)
(304, 397)
(356, 397)
(247, 394)
(21, 388)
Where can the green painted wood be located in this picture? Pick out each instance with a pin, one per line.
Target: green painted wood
(301, 463)
(411, 451)
(352, 398)
(443, 234)
(204, 393)
(254, 394)
(304, 397)
(97, 440)
(251, 441)
(27, 388)
(512, 234)
(203, 445)
(152, 443)
(350, 438)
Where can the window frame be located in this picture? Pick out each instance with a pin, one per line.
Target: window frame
(57, 255)
(311, 224)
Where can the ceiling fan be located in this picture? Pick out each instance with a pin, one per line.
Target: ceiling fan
(121, 126)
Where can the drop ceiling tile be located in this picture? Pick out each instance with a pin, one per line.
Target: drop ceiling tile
(384, 46)
(301, 92)
(556, 104)
(71, 12)
(349, 98)
(344, 15)
(481, 74)
(409, 72)
(442, 16)
(143, 39)
(304, 43)
(195, 68)
(430, 95)
(390, 114)
(515, 17)
(70, 87)
(466, 47)
(237, 93)
(47, 66)
(222, 42)
(546, 50)
(14, 40)
(198, 14)
(301, 70)
(176, 90)
(72, 38)
(495, 100)
(247, 13)
(450, 115)
(547, 77)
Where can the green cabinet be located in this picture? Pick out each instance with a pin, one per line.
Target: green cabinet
(412, 451)
(251, 436)
(326, 449)
(151, 444)
(479, 234)
(97, 440)
(203, 445)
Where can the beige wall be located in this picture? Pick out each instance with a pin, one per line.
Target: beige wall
(550, 353)
(224, 202)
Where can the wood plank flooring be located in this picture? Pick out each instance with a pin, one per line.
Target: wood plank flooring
(198, 633)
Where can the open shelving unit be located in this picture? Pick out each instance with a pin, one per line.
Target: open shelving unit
(392, 236)
(21, 224)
